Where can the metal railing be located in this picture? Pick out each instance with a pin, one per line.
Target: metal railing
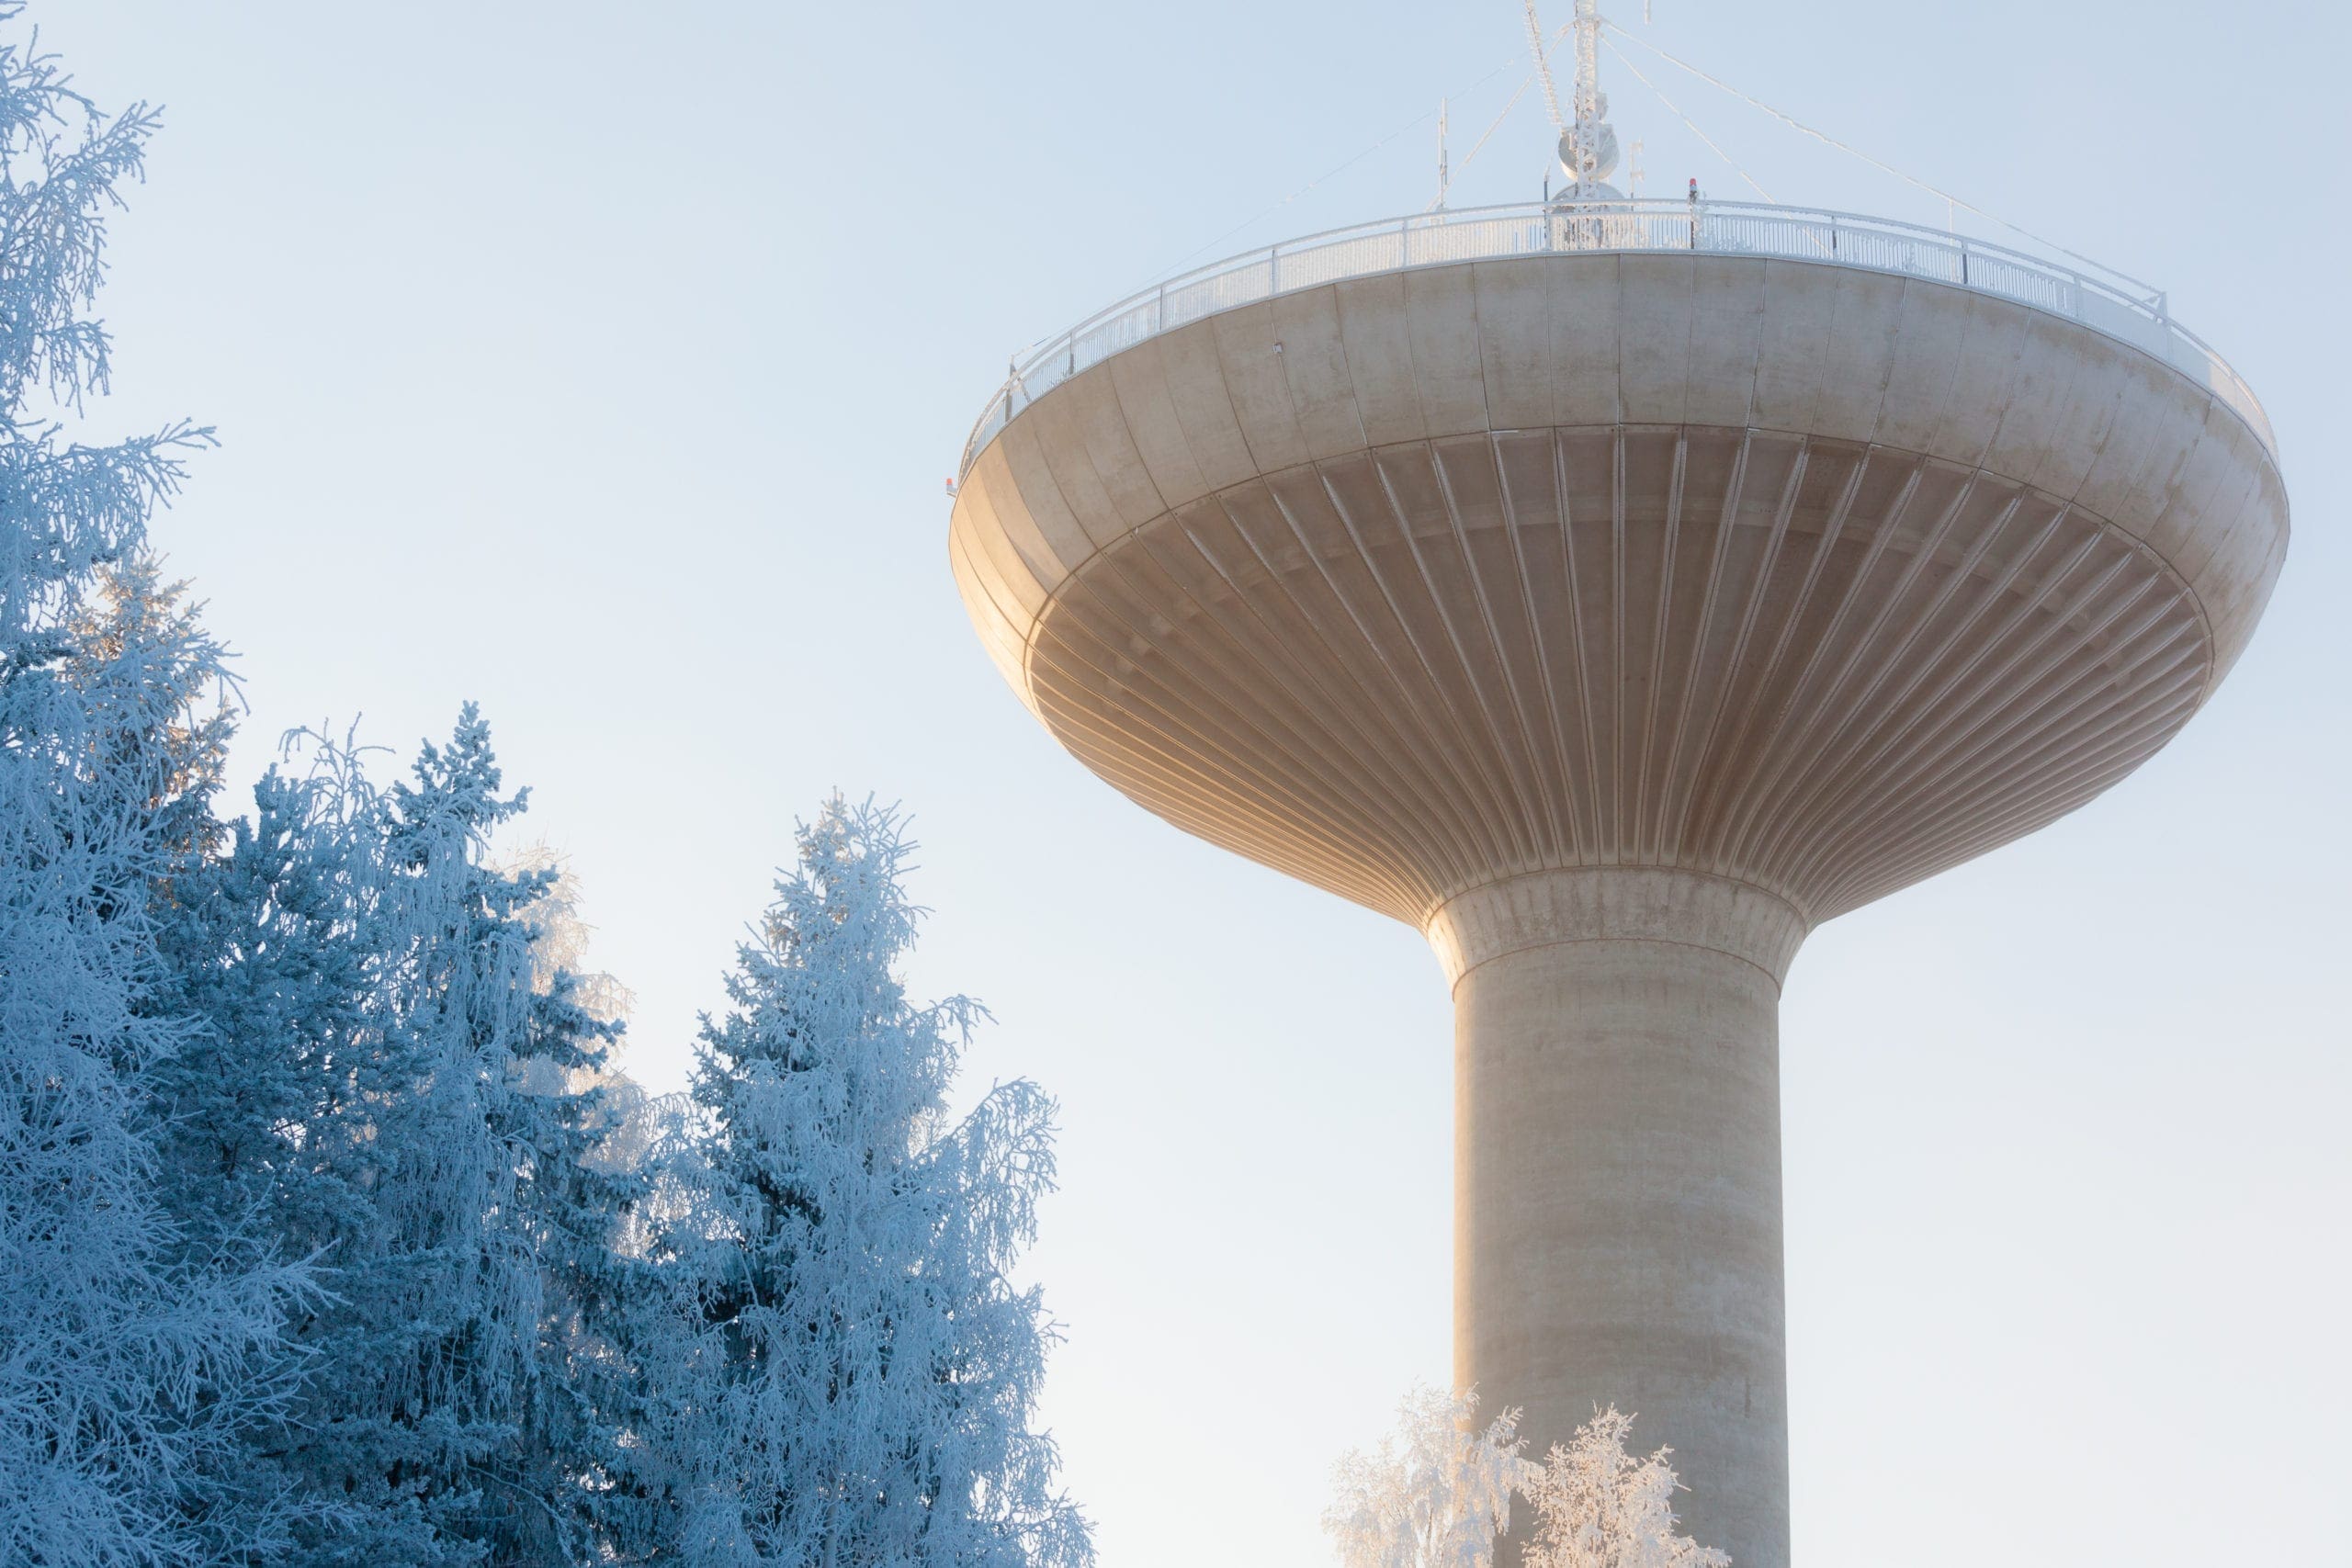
(2111, 303)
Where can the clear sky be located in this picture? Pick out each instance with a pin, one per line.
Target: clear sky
(604, 364)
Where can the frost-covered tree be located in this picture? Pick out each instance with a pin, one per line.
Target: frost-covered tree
(328, 1238)
(852, 1376)
(265, 1118)
(134, 1357)
(1435, 1493)
(396, 1071)
(329, 1089)
(575, 1200)
(450, 1417)
(1598, 1506)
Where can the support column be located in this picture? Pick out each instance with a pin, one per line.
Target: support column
(1617, 1174)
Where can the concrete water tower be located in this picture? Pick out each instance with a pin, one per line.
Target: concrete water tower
(1615, 590)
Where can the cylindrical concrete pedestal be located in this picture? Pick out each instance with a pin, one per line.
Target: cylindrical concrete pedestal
(1617, 1157)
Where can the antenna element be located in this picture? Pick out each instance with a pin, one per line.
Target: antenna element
(1444, 175)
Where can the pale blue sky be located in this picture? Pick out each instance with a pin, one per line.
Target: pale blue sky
(603, 363)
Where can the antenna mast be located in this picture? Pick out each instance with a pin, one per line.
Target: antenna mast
(1588, 143)
(1587, 92)
(1588, 148)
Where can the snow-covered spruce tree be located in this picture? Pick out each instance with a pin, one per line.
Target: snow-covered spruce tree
(389, 1070)
(576, 1198)
(451, 1418)
(853, 1377)
(1435, 1493)
(1598, 1506)
(267, 1116)
(132, 1358)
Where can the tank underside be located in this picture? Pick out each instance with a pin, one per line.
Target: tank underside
(1822, 668)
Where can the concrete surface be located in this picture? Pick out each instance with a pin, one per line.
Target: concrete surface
(1617, 1172)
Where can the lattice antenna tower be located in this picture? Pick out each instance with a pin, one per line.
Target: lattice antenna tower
(1587, 142)
(1585, 170)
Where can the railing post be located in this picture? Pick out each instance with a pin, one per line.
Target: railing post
(1159, 311)
(1963, 261)
(1274, 270)
(1404, 241)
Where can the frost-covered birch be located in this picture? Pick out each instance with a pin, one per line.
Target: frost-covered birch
(1435, 1493)
(133, 1358)
(1598, 1506)
(853, 1374)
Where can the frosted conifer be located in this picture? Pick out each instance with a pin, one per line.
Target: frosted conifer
(854, 1374)
(450, 1417)
(394, 1067)
(575, 1200)
(266, 1114)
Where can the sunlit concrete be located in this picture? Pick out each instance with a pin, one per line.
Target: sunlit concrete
(1614, 619)
(1617, 1159)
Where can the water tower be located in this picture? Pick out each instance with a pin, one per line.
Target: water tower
(1615, 590)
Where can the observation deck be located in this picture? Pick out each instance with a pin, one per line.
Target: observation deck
(2108, 302)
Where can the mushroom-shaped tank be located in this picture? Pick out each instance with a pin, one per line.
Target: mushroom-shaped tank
(1614, 601)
